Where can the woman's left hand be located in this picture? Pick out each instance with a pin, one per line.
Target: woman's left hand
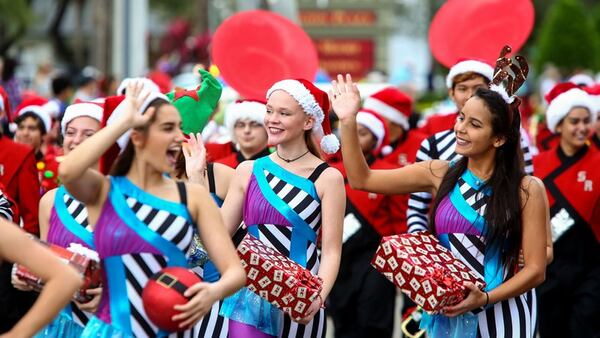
(475, 299)
(195, 158)
(345, 97)
(313, 309)
(203, 296)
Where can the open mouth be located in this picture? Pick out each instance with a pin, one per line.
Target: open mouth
(172, 155)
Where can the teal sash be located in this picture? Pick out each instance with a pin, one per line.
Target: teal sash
(68, 221)
(119, 302)
(301, 231)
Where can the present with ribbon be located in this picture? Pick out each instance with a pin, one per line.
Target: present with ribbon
(84, 260)
(424, 270)
(278, 279)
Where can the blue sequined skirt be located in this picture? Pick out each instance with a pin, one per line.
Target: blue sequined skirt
(61, 326)
(97, 328)
(249, 308)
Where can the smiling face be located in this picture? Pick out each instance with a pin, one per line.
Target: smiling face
(285, 119)
(29, 132)
(160, 145)
(473, 129)
(250, 136)
(575, 128)
(77, 131)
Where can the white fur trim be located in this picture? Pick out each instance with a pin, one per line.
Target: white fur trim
(330, 144)
(52, 108)
(502, 91)
(469, 66)
(2, 103)
(251, 110)
(372, 123)
(120, 109)
(40, 112)
(80, 109)
(303, 96)
(564, 103)
(147, 84)
(386, 111)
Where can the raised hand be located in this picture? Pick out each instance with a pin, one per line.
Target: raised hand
(195, 158)
(134, 99)
(345, 97)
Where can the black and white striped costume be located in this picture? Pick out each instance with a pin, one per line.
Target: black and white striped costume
(441, 146)
(5, 207)
(460, 227)
(266, 222)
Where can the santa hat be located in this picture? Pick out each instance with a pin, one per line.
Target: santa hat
(469, 65)
(562, 99)
(252, 110)
(315, 103)
(35, 105)
(375, 123)
(89, 109)
(594, 92)
(196, 106)
(392, 104)
(147, 84)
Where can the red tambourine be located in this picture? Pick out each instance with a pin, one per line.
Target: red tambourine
(254, 49)
(479, 29)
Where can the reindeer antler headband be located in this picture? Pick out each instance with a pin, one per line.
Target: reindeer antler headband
(514, 73)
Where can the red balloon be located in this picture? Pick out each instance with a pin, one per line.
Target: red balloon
(479, 29)
(254, 49)
(161, 294)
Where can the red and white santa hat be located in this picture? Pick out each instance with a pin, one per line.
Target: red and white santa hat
(392, 104)
(469, 65)
(4, 103)
(75, 110)
(315, 103)
(253, 110)
(36, 105)
(594, 92)
(562, 99)
(375, 123)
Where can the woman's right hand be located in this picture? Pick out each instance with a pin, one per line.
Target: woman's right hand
(19, 284)
(134, 98)
(345, 97)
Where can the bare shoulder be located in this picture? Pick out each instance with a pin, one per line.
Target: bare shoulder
(244, 168)
(48, 197)
(222, 169)
(532, 188)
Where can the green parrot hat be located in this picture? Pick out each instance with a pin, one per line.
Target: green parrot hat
(196, 106)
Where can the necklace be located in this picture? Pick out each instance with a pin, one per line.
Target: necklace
(291, 159)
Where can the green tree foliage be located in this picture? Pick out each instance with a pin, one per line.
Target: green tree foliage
(15, 18)
(568, 38)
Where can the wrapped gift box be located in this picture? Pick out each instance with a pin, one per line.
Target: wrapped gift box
(424, 270)
(278, 279)
(86, 261)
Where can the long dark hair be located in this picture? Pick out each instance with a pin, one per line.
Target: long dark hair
(125, 159)
(503, 211)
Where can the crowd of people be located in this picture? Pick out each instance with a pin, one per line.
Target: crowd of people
(128, 174)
